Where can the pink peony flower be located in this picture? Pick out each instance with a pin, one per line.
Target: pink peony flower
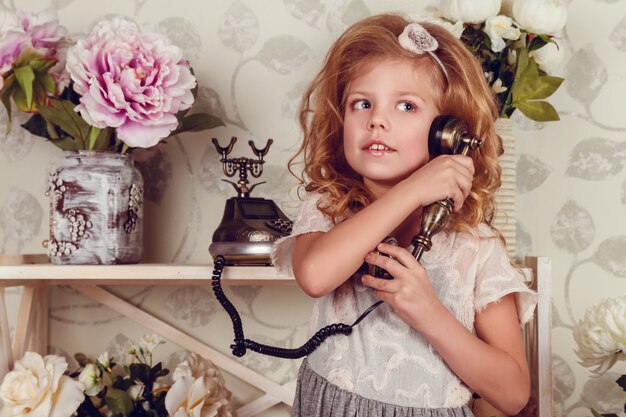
(25, 30)
(133, 82)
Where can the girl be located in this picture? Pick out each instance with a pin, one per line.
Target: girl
(450, 325)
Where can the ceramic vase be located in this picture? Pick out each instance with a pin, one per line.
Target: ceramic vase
(96, 209)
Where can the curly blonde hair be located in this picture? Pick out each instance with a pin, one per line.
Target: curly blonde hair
(464, 94)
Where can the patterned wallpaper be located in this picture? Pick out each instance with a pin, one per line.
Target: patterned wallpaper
(253, 60)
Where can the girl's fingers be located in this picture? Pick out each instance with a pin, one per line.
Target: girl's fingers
(402, 255)
(380, 284)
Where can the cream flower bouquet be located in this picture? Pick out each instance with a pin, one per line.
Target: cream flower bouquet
(601, 338)
(42, 386)
(517, 44)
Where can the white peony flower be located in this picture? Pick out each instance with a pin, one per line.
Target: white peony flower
(601, 336)
(499, 28)
(91, 378)
(541, 16)
(469, 11)
(149, 342)
(37, 387)
(507, 8)
(549, 57)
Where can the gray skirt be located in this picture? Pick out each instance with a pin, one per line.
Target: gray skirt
(316, 397)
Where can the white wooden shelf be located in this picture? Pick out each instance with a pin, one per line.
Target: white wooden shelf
(36, 275)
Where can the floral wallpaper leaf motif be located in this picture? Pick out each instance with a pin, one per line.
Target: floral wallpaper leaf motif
(18, 143)
(191, 305)
(585, 75)
(209, 101)
(618, 36)
(240, 28)
(291, 102)
(595, 159)
(20, 216)
(118, 348)
(603, 394)
(183, 34)
(531, 172)
(344, 13)
(611, 255)
(210, 173)
(156, 167)
(563, 382)
(309, 11)
(573, 229)
(247, 293)
(284, 53)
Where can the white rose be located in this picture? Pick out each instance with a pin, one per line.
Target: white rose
(200, 383)
(37, 387)
(91, 380)
(540, 16)
(549, 57)
(601, 336)
(499, 28)
(469, 11)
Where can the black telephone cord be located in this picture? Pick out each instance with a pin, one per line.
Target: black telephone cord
(241, 343)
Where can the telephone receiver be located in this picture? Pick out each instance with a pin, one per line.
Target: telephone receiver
(447, 136)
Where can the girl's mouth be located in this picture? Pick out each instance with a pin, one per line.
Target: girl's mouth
(378, 148)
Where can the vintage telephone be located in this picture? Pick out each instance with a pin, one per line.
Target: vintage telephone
(447, 135)
(250, 225)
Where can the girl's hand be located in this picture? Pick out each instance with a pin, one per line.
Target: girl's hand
(410, 293)
(446, 176)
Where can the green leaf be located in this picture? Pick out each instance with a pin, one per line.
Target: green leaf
(94, 132)
(540, 111)
(67, 143)
(198, 122)
(103, 140)
(47, 82)
(25, 77)
(118, 401)
(62, 114)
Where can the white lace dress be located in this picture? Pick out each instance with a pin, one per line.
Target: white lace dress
(384, 359)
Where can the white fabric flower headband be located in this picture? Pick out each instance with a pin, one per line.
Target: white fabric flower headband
(415, 38)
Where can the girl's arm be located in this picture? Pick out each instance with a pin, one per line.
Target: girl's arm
(492, 362)
(324, 260)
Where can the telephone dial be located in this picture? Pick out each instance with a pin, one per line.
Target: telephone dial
(250, 225)
(447, 135)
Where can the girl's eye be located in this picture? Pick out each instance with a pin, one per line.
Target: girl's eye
(406, 106)
(361, 104)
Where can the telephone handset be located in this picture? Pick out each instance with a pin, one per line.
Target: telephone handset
(447, 135)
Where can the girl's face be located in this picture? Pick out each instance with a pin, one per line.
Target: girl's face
(390, 106)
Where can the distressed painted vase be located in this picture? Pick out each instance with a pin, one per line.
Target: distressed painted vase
(96, 209)
(506, 219)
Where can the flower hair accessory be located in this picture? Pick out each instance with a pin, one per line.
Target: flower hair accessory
(415, 38)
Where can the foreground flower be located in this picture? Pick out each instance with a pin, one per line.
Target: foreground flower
(601, 336)
(37, 387)
(198, 391)
(469, 11)
(148, 342)
(549, 57)
(91, 378)
(541, 16)
(139, 91)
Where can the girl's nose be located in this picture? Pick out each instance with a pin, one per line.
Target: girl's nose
(378, 121)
